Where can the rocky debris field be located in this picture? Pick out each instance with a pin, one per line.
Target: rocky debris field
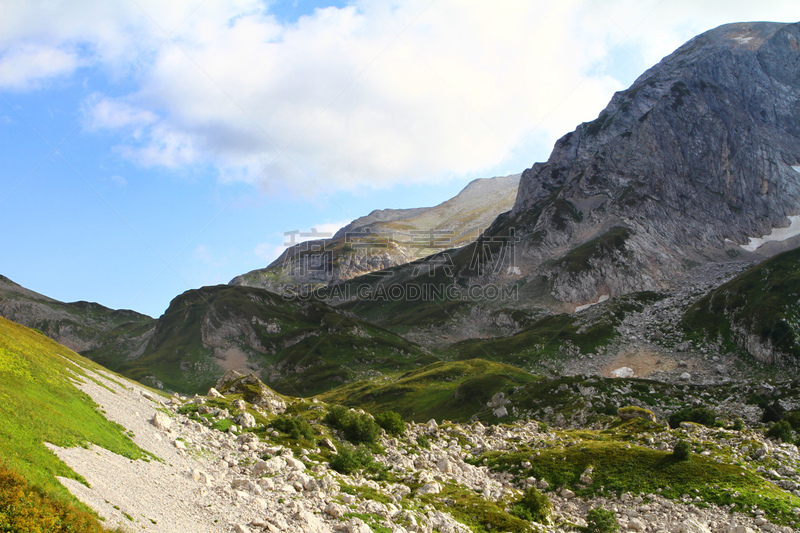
(215, 466)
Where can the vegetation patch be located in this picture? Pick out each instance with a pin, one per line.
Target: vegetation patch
(35, 392)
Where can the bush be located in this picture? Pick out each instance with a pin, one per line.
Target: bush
(601, 520)
(349, 459)
(295, 427)
(794, 419)
(337, 416)
(772, 412)
(422, 442)
(780, 430)
(682, 451)
(738, 424)
(391, 422)
(27, 509)
(534, 506)
(698, 415)
(358, 428)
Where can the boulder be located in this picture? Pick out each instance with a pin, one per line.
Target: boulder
(162, 420)
(632, 411)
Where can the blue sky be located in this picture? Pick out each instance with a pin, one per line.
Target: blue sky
(153, 147)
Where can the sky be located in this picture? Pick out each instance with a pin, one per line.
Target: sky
(151, 147)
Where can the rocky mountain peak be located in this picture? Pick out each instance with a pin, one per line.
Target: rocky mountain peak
(695, 157)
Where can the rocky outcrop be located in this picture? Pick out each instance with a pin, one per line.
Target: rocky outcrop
(387, 238)
(694, 159)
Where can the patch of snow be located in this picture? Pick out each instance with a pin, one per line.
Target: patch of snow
(796, 168)
(777, 234)
(602, 298)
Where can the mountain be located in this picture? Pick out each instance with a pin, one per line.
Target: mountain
(698, 162)
(388, 237)
(98, 332)
(689, 164)
(299, 347)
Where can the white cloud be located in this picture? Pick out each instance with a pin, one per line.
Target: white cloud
(24, 66)
(372, 94)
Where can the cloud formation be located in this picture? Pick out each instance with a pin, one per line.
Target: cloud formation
(372, 94)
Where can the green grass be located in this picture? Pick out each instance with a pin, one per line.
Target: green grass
(480, 514)
(35, 395)
(621, 467)
(762, 301)
(453, 390)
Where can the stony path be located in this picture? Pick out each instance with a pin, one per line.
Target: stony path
(158, 496)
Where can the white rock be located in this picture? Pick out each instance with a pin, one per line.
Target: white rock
(636, 524)
(214, 393)
(161, 420)
(246, 420)
(623, 372)
(691, 525)
(429, 488)
(334, 509)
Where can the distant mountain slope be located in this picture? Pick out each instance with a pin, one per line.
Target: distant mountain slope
(389, 237)
(297, 347)
(85, 327)
(757, 312)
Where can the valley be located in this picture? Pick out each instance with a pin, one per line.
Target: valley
(609, 340)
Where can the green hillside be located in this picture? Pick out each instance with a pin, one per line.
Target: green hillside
(35, 393)
(308, 347)
(757, 311)
(453, 390)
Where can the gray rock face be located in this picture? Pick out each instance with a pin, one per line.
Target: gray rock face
(389, 237)
(695, 157)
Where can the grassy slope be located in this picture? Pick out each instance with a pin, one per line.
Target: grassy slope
(35, 394)
(317, 347)
(445, 390)
(763, 301)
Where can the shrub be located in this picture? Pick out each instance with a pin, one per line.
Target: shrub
(349, 459)
(780, 430)
(358, 428)
(794, 419)
(337, 416)
(772, 412)
(600, 520)
(27, 509)
(391, 422)
(738, 424)
(422, 442)
(534, 506)
(682, 451)
(295, 427)
(698, 415)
